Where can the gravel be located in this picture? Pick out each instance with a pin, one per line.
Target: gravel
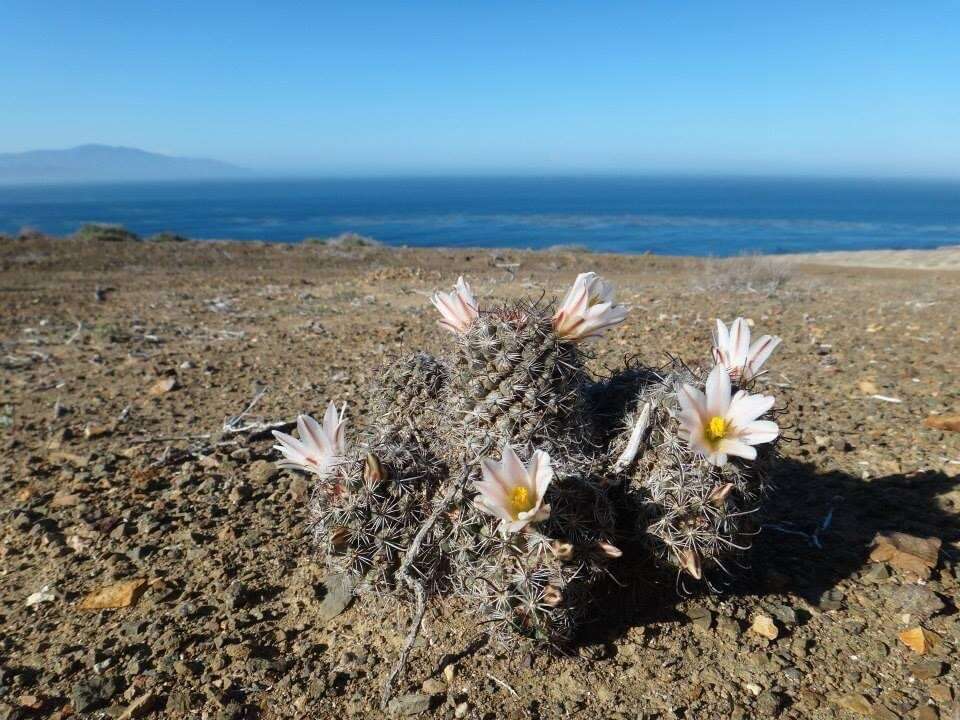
(239, 618)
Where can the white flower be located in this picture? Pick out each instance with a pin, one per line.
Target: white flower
(512, 492)
(716, 425)
(629, 453)
(459, 308)
(587, 310)
(319, 446)
(609, 549)
(733, 350)
(690, 562)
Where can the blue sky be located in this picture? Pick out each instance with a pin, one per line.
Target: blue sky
(774, 87)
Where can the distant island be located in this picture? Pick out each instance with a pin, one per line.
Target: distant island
(87, 163)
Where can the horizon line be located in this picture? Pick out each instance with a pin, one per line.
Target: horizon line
(303, 176)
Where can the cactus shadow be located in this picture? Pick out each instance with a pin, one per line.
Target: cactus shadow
(818, 527)
(798, 551)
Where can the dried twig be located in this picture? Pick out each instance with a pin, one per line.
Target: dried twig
(416, 584)
(812, 538)
(231, 424)
(256, 429)
(267, 429)
(76, 333)
(168, 438)
(503, 684)
(420, 610)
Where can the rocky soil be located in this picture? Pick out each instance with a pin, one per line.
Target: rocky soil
(130, 476)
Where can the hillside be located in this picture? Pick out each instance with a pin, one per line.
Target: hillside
(87, 163)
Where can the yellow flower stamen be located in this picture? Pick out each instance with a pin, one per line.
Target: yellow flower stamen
(521, 500)
(716, 430)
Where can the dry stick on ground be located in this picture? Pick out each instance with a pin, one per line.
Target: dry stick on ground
(255, 429)
(415, 584)
(168, 438)
(76, 333)
(231, 424)
(502, 684)
(231, 427)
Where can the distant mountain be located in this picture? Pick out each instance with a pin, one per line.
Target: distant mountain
(104, 162)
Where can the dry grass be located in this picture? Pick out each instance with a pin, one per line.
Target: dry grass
(747, 273)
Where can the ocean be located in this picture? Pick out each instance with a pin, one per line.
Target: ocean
(666, 215)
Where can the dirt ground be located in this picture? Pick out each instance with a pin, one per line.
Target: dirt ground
(123, 364)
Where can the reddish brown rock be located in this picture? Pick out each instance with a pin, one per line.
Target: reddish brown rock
(118, 595)
(909, 553)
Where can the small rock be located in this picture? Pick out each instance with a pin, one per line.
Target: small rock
(877, 574)
(882, 713)
(919, 601)
(299, 490)
(831, 600)
(43, 595)
(179, 702)
(909, 553)
(140, 553)
(91, 431)
(240, 493)
(793, 674)
(926, 669)
(407, 705)
(337, 598)
(63, 499)
(162, 386)
(85, 697)
(799, 647)
(729, 626)
(770, 704)
(460, 711)
(811, 698)
(92, 693)
(139, 707)
(941, 693)
(31, 702)
(943, 422)
(700, 617)
(842, 444)
(261, 472)
(237, 595)
(449, 672)
(854, 702)
(21, 521)
(432, 686)
(919, 639)
(118, 595)
(785, 614)
(764, 626)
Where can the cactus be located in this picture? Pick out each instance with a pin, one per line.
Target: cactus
(695, 516)
(406, 402)
(504, 474)
(366, 514)
(537, 582)
(512, 379)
